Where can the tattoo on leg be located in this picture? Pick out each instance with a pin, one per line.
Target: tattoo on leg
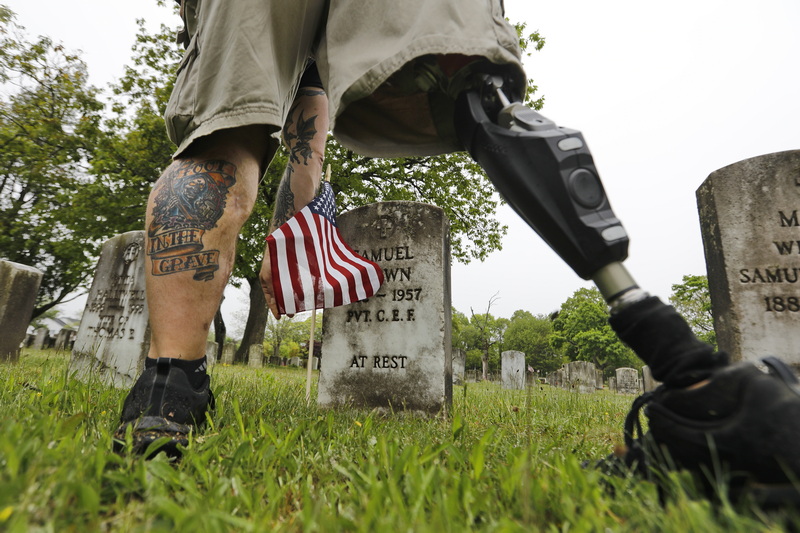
(189, 200)
(284, 203)
(298, 137)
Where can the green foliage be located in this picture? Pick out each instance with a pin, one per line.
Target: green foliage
(581, 333)
(530, 335)
(692, 300)
(502, 461)
(49, 129)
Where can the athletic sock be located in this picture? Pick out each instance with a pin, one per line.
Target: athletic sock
(195, 369)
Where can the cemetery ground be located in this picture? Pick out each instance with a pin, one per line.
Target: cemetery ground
(503, 460)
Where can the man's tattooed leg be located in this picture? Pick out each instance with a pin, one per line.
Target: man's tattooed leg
(188, 201)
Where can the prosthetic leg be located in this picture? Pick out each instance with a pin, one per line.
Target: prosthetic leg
(740, 418)
(547, 174)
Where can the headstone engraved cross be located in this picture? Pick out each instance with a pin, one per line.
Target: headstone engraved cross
(394, 349)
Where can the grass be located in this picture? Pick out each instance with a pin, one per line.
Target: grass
(502, 461)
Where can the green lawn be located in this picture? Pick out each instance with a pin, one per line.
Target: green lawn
(502, 461)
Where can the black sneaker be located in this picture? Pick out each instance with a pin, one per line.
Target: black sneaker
(740, 431)
(162, 403)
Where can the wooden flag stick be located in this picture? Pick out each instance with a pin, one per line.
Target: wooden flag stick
(309, 363)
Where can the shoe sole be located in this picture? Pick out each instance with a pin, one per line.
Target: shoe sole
(148, 430)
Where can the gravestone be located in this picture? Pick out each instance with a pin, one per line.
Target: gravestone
(599, 379)
(627, 381)
(211, 352)
(255, 356)
(612, 384)
(513, 369)
(648, 381)
(750, 220)
(315, 364)
(294, 361)
(393, 350)
(459, 366)
(40, 337)
(19, 286)
(228, 352)
(581, 376)
(114, 336)
(65, 339)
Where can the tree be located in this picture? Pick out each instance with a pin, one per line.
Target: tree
(49, 129)
(581, 332)
(488, 334)
(280, 333)
(692, 300)
(530, 335)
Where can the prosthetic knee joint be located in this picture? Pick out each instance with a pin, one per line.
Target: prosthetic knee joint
(547, 174)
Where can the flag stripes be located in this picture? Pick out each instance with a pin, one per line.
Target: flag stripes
(312, 267)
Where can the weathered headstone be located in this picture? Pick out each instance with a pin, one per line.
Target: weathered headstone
(114, 336)
(211, 352)
(228, 352)
(19, 286)
(599, 379)
(294, 361)
(750, 220)
(394, 349)
(581, 376)
(648, 381)
(315, 364)
(459, 366)
(513, 369)
(627, 380)
(255, 356)
(65, 339)
(40, 338)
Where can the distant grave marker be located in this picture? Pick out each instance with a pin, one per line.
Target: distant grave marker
(627, 381)
(256, 356)
(19, 287)
(750, 220)
(394, 349)
(513, 369)
(581, 376)
(114, 336)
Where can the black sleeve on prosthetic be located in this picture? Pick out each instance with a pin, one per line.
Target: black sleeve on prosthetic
(663, 340)
(310, 77)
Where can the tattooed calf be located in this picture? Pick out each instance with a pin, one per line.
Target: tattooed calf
(189, 200)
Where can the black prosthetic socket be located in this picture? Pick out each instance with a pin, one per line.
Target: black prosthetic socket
(194, 369)
(663, 340)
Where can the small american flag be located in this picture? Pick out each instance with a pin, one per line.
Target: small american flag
(312, 267)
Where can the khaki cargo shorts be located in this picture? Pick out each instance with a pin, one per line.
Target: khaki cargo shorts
(387, 95)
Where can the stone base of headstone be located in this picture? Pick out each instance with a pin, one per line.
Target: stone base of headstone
(255, 356)
(114, 336)
(512, 366)
(19, 287)
(394, 350)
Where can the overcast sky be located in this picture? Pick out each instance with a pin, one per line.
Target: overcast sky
(664, 92)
